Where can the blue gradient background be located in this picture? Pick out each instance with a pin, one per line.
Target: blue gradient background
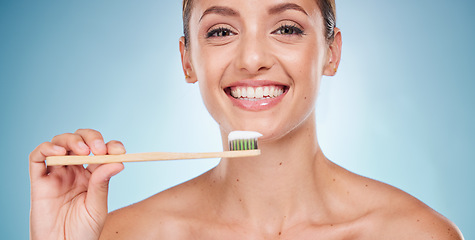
(400, 110)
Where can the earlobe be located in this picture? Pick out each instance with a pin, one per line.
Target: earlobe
(186, 62)
(334, 53)
(189, 79)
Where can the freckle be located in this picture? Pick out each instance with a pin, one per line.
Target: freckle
(117, 232)
(347, 192)
(333, 179)
(418, 220)
(237, 180)
(366, 185)
(240, 200)
(305, 98)
(280, 163)
(331, 225)
(280, 233)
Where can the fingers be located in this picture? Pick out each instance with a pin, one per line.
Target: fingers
(96, 200)
(73, 143)
(82, 142)
(113, 148)
(37, 158)
(94, 140)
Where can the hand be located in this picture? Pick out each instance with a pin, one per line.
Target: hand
(70, 202)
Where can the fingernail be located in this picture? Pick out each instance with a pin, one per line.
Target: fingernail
(83, 146)
(99, 145)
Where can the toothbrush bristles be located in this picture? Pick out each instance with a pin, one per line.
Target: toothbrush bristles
(243, 144)
(243, 140)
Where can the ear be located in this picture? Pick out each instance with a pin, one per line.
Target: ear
(186, 62)
(334, 55)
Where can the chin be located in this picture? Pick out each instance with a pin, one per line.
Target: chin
(270, 129)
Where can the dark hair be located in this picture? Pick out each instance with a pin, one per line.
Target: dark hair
(327, 8)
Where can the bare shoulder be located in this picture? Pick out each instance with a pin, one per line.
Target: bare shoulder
(165, 215)
(395, 214)
(406, 217)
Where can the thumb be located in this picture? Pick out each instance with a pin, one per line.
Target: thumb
(96, 199)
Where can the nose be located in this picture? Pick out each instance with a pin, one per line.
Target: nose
(253, 54)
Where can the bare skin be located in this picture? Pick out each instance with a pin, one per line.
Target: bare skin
(305, 197)
(290, 191)
(70, 202)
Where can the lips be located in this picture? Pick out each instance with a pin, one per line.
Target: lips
(256, 95)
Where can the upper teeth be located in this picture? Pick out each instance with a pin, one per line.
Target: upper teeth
(257, 92)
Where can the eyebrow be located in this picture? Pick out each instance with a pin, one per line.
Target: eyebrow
(284, 7)
(224, 11)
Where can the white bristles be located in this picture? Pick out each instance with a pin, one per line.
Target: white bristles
(235, 135)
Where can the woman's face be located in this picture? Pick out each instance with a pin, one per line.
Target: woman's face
(258, 63)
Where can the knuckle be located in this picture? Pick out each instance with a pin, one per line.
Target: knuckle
(44, 145)
(82, 130)
(88, 132)
(61, 136)
(39, 149)
(31, 156)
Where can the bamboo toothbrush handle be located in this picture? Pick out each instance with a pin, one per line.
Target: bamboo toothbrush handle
(140, 157)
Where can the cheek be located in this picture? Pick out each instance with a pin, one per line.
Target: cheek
(210, 63)
(305, 67)
(209, 68)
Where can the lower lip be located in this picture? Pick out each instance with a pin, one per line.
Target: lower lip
(256, 105)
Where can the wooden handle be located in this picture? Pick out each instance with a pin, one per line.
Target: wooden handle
(140, 157)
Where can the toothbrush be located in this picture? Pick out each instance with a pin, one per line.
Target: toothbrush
(241, 144)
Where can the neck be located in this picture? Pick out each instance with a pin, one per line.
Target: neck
(284, 182)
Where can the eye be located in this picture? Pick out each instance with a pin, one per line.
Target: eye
(287, 29)
(220, 32)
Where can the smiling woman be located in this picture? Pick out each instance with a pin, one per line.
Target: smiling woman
(259, 68)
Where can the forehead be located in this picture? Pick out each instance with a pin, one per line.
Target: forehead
(253, 6)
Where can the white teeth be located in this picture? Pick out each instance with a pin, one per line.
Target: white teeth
(259, 92)
(271, 91)
(256, 93)
(266, 91)
(250, 92)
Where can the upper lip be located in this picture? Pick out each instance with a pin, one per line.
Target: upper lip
(255, 83)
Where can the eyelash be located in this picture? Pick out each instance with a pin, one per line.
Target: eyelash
(220, 31)
(295, 30)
